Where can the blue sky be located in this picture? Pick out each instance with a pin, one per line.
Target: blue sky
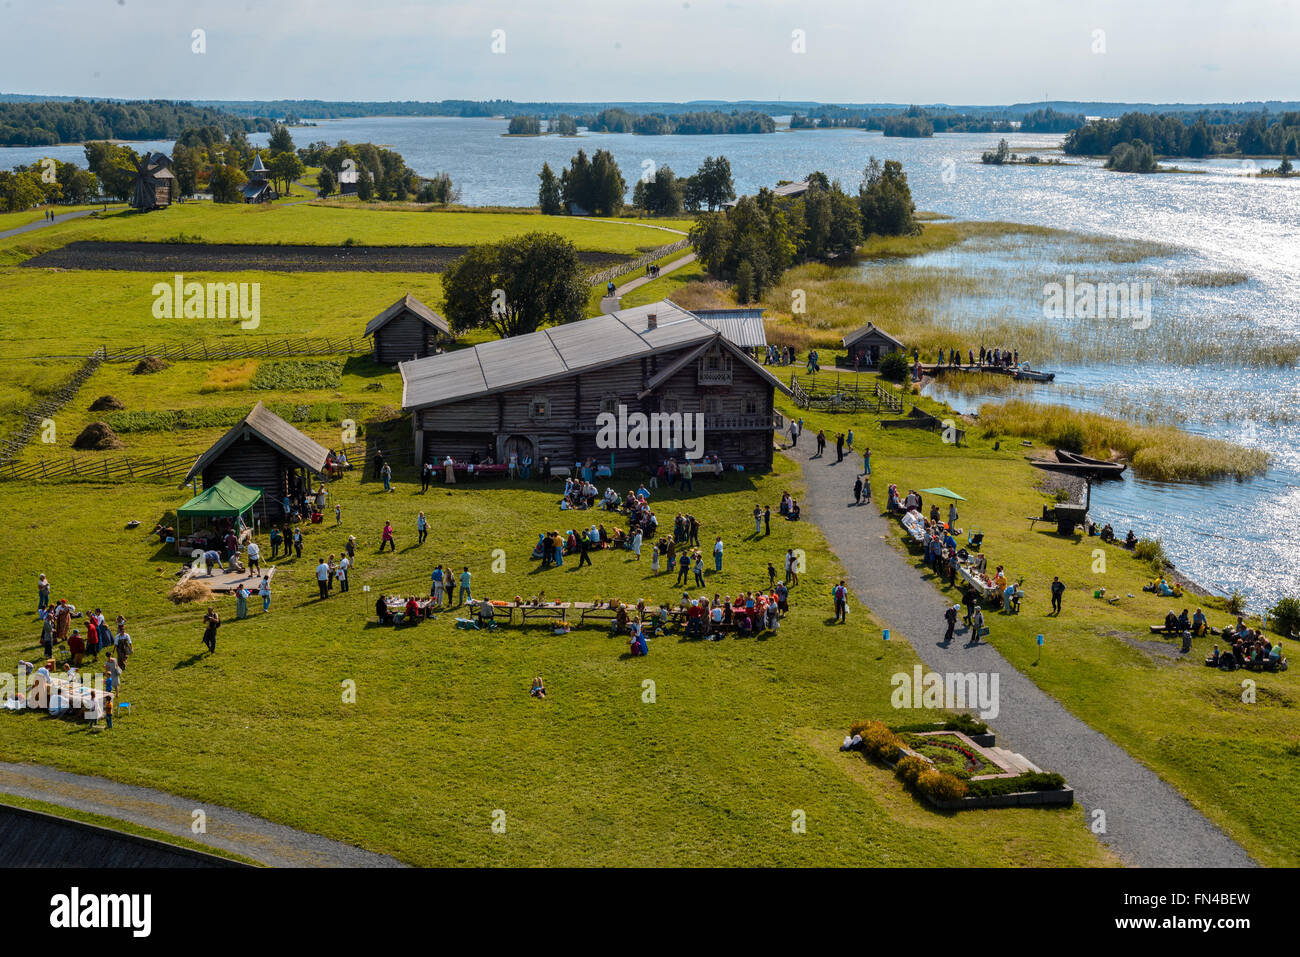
(968, 51)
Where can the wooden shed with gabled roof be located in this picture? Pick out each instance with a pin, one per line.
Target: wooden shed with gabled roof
(263, 452)
(866, 346)
(408, 329)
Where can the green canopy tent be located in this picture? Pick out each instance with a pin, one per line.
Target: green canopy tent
(226, 499)
(943, 493)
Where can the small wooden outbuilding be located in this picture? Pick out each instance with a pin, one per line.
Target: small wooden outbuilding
(265, 453)
(408, 329)
(866, 346)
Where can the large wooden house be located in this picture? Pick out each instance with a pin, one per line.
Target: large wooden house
(541, 394)
(866, 346)
(155, 186)
(408, 329)
(263, 452)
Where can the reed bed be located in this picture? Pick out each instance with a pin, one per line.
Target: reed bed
(934, 307)
(1158, 452)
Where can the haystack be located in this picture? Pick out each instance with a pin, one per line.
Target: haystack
(150, 364)
(97, 437)
(106, 403)
(188, 591)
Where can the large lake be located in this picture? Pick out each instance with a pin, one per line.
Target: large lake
(1227, 535)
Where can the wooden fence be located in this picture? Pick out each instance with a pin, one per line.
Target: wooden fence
(843, 395)
(107, 468)
(632, 265)
(37, 414)
(244, 348)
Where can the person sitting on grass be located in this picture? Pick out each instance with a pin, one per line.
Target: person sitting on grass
(1130, 540)
(1199, 625)
(538, 690)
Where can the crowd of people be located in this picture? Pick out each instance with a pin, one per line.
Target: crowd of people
(1247, 648)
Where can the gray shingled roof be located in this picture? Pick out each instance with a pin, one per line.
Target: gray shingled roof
(556, 352)
(861, 331)
(273, 430)
(408, 303)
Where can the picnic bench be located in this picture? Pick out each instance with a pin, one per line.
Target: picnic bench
(397, 608)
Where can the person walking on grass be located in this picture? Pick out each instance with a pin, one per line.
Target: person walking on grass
(352, 551)
(684, 568)
(465, 594)
(717, 554)
(841, 596)
(950, 616)
(758, 521)
(323, 579)
(241, 603)
(767, 519)
(699, 569)
(42, 594)
(387, 538)
(386, 473)
(422, 528)
(297, 543)
(265, 591)
(276, 539)
(341, 573)
(1058, 590)
(211, 621)
(338, 514)
(122, 644)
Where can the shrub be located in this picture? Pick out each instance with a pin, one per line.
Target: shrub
(941, 785)
(1029, 781)
(966, 724)
(894, 367)
(877, 740)
(1236, 604)
(910, 768)
(1069, 436)
(1285, 615)
(1150, 550)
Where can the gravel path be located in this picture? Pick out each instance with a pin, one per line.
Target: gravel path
(1148, 824)
(610, 304)
(42, 223)
(252, 837)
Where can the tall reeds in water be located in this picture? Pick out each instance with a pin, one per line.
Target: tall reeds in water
(1158, 452)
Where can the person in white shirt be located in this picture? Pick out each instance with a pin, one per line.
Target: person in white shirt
(323, 578)
(341, 573)
(254, 557)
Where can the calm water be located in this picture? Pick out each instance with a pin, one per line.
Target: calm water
(1228, 535)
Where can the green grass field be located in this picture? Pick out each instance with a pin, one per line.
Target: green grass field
(1186, 722)
(313, 224)
(741, 733)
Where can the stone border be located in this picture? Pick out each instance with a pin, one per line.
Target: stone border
(1061, 798)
